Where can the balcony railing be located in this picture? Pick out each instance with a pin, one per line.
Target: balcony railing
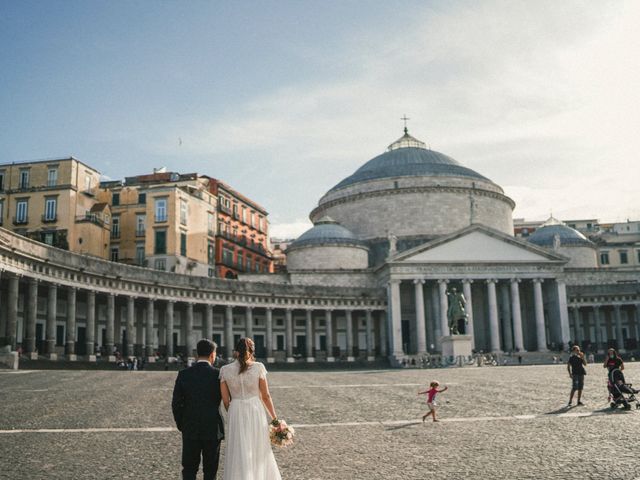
(140, 233)
(161, 218)
(115, 233)
(242, 241)
(20, 221)
(49, 218)
(224, 209)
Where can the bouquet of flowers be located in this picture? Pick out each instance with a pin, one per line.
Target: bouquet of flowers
(281, 434)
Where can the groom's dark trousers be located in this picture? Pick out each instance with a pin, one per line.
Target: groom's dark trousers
(196, 399)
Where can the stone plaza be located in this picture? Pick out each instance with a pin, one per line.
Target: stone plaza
(497, 422)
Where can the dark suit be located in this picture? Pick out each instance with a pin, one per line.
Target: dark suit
(196, 399)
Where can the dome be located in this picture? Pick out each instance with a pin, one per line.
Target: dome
(544, 236)
(326, 231)
(408, 156)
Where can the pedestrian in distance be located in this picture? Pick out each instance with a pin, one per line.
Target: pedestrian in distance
(575, 367)
(613, 360)
(431, 399)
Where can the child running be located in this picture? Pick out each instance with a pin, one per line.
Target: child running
(431, 399)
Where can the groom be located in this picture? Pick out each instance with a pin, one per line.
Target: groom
(196, 399)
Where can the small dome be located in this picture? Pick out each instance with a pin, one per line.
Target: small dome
(409, 156)
(544, 235)
(326, 231)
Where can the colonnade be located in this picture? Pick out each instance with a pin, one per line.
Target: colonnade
(502, 311)
(147, 325)
(598, 326)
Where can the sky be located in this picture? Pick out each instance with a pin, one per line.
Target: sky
(283, 99)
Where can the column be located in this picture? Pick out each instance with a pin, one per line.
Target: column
(288, 326)
(369, 334)
(384, 342)
(91, 323)
(466, 291)
(52, 309)
(444, 307)
(228, 332)
(149, 330)
(32, 312)
(576, 324)
(268, 340)
(636, 319)
(71, 323)
(618, 319)
(421, 327)
(596, 321)
(12, 312)
(541, 336)
(434, 320)
(248, 313)
(111, 317)
(131, 329)
(507, 331)
(188, 330)
(208, 321)
(169, 319)
(328, 324)
(309, 335)
(518, 340)
(565, 334)
(494, 327)
(395, 310)
(141, 323)
(349, 318)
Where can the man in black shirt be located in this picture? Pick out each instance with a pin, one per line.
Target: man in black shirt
(575, 367)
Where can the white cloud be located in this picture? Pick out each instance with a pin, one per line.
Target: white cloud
(539, 96)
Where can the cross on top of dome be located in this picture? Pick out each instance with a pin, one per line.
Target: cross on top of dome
(406, 141)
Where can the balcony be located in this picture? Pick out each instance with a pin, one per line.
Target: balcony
(140, 233)
(20, 221)
(242, 241)
(115, 234)
(161, 218)
(223, 209)
(49, 218)
(90, 219)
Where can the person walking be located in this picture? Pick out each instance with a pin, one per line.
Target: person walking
(575, 367)
(195, 405)
(431, 399)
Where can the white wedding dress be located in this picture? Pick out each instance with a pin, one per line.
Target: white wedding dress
(248, 454)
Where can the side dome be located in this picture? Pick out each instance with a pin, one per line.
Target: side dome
(327, 246)
(567, 241)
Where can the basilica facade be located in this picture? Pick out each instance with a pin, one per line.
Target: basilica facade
(371, 279)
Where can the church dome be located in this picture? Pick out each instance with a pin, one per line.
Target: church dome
(326, 231)
(544, 235)
(408, 156)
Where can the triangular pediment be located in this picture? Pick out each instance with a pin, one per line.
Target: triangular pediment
(478, 244)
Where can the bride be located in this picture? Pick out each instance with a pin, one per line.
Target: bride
(245, 394)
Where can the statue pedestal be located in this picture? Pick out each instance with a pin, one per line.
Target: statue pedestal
(456, 346)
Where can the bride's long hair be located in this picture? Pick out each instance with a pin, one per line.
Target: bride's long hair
(245, 349)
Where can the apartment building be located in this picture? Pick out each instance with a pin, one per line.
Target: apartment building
(54, 201)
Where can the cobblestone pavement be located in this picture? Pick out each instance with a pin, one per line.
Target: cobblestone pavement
(497, 423)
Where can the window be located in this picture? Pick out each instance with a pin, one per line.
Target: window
(115, 227)
(248, 263)
(227, 256)
(48, 238)
(257, 265)
(50, 209)
(211, 254)
(142, 198)
(240, 259)
(115, 199)
(160, 246)
(261, 223)
(24, 178)
(52, 178)
(604, 258)
(211, 224)
(160, 264)
(141, 221)
(114, 254)
(87, 183)
(235, 210)
(161, 209)
(624, 257)
(140, 254)
(637, 251)
(22, 210)
(183, 212)
(183, 244)
(244, 215)
(2, 180)
(253, 219)
(2, 215)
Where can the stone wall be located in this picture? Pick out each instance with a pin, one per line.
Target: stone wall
(580, 257)
(327, 257)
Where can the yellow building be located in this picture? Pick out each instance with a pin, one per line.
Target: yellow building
(164, 220)
(53, 201)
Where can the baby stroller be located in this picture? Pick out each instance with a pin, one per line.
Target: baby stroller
(620, 392)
